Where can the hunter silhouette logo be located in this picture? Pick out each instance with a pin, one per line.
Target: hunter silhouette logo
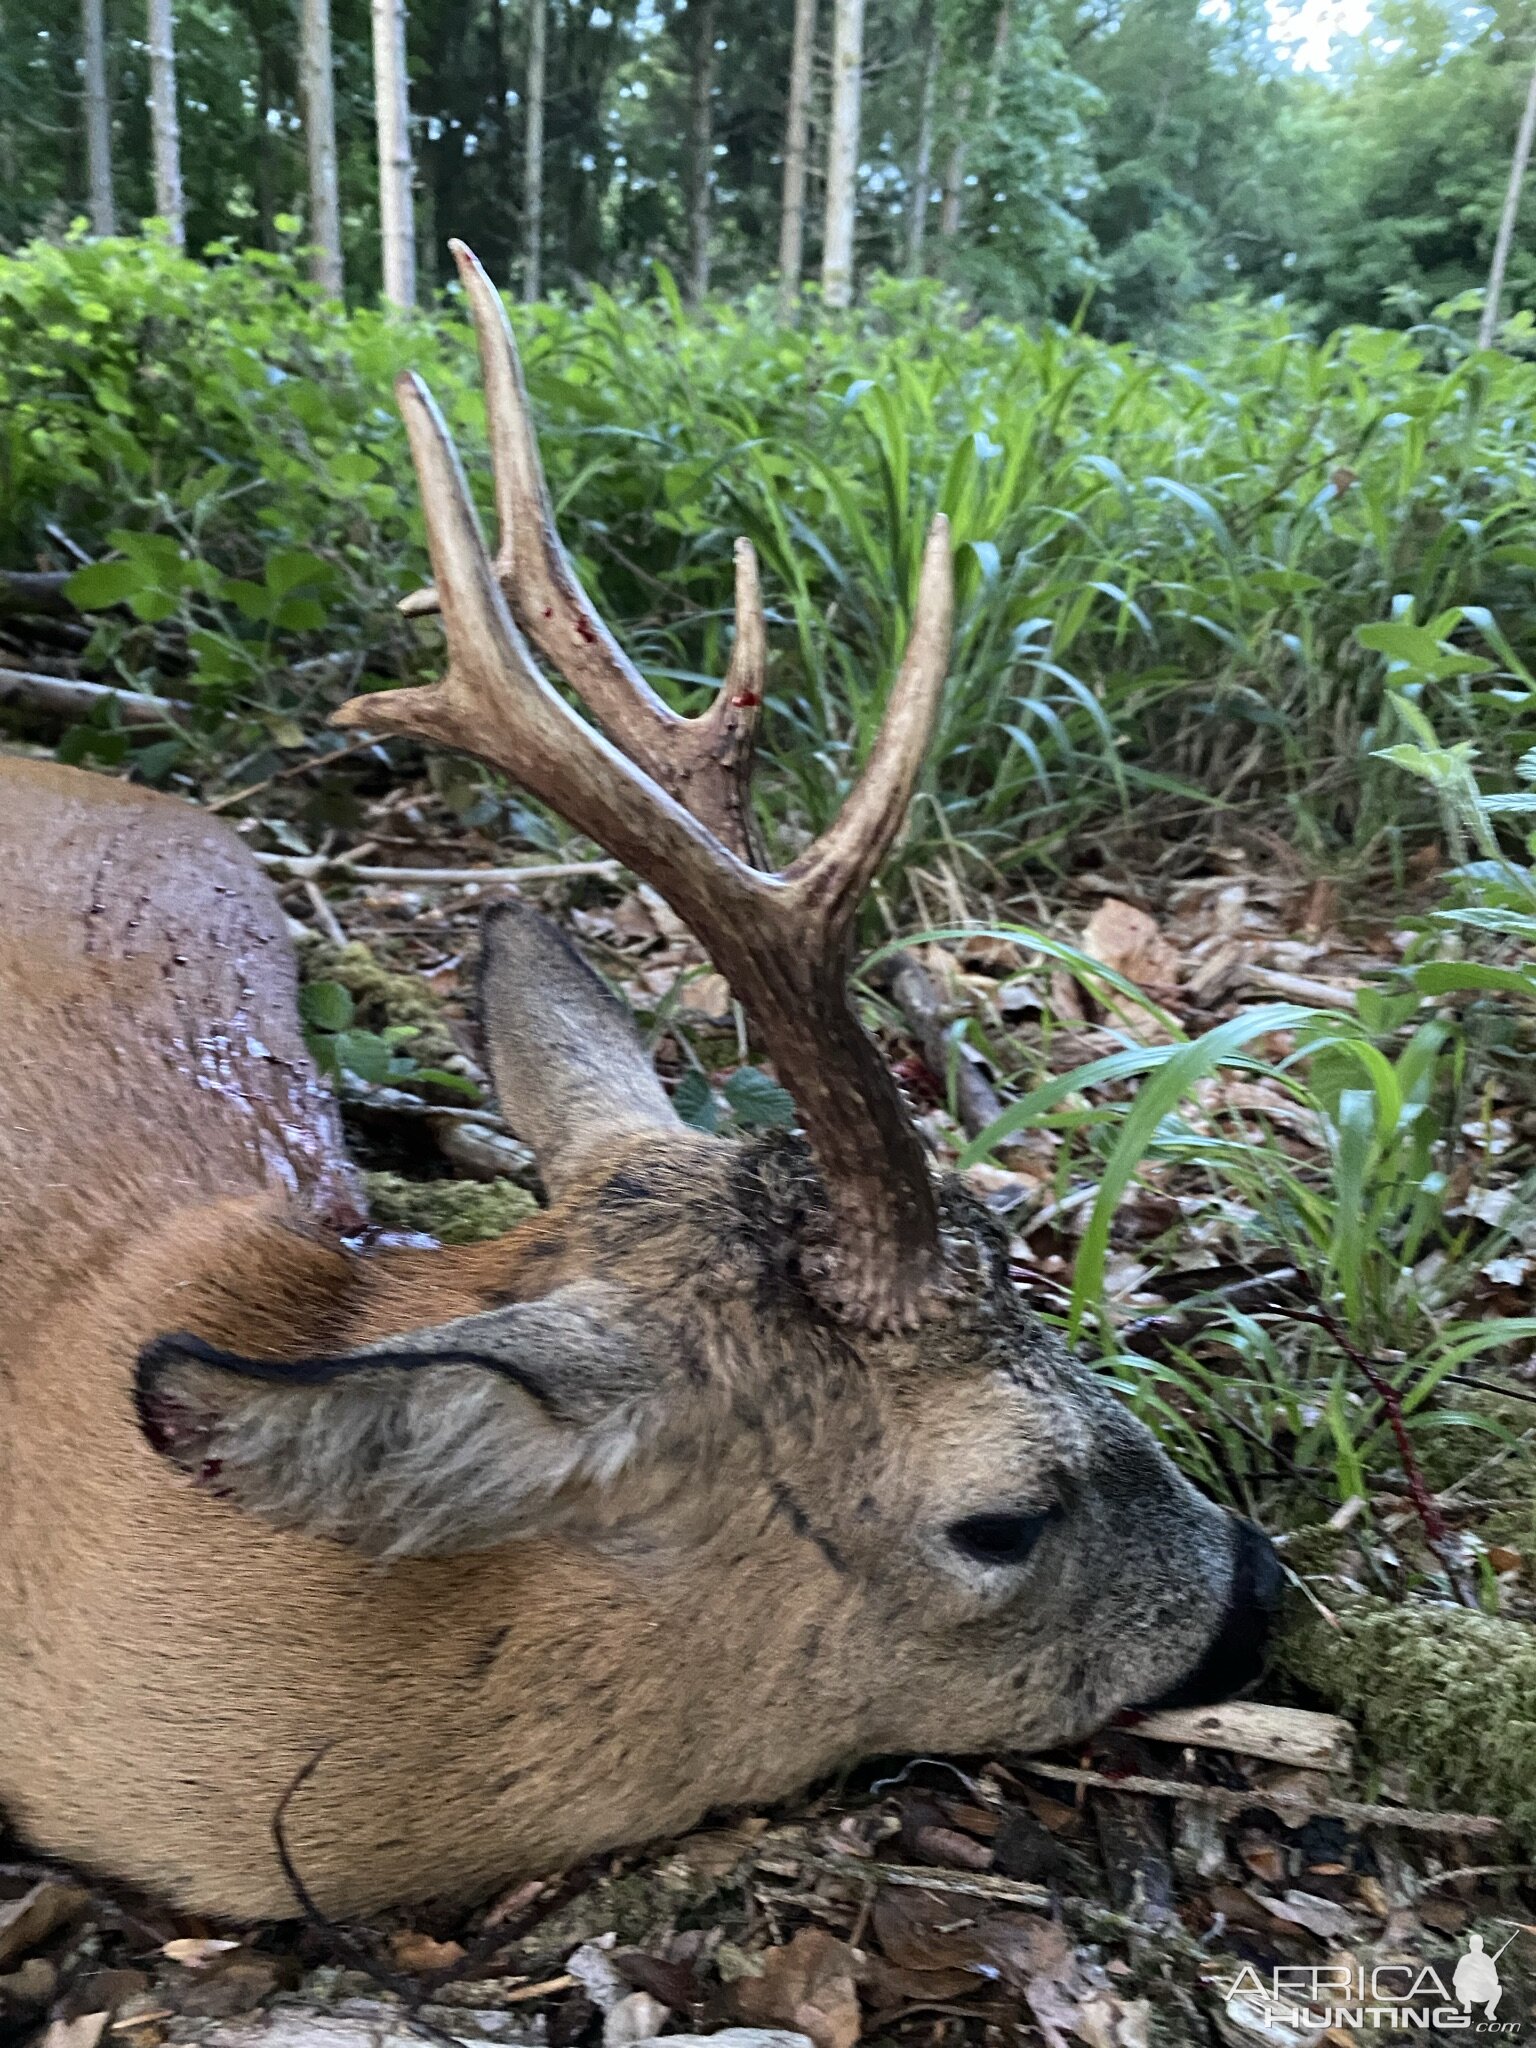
(1476, 1979)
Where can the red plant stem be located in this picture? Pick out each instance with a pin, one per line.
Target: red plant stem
(1436, 1534)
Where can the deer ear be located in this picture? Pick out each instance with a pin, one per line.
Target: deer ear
(443, 1440)
(570, 1071)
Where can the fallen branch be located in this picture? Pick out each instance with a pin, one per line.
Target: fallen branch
(917, 996)
(1278, 1735)
(1302, 988)
(71, 698)
(311, 867)
(1290, 1808)
(35, 592)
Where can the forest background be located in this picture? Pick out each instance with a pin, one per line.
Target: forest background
(1119, 162)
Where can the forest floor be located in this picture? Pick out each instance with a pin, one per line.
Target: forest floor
(1110, 1896)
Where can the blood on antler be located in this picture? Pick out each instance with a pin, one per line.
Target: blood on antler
(668, 796)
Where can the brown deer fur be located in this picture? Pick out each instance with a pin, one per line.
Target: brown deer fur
(706, 1554)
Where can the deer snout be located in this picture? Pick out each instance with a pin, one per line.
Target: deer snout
(1236, 1653)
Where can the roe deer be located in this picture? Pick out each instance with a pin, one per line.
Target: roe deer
(741, 1461)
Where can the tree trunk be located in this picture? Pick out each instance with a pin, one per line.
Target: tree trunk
(98, 118)
(954, 168)
(266, 148)
(165, 128)
(922, 167)
(317, 87)
(10, 176)
(954, 171)
(1488, 326)
(392, 112)
(796, 127)
(843, 153)
(533, 153)
(701, 146)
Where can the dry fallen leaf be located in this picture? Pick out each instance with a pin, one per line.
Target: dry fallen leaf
(812, 1985)
(33, 1984)
(1321, 1917)
(84, 2032)
(708, 996)
(238, 1984)
(29, 1920)
(196, 1954)
(1120, 936)
(413, 1951)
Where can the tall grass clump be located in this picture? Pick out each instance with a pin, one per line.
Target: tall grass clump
(1162, 563)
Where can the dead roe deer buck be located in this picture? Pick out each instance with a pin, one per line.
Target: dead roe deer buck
(740, 1462)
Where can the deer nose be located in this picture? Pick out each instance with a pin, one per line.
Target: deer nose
(1235, 1656)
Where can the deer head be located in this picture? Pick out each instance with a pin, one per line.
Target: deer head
(779, 1393)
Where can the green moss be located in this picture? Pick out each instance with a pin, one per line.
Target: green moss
(1445, 1694)
(384, 998)
(453, 1211)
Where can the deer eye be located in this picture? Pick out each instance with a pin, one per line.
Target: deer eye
(1000, 1539)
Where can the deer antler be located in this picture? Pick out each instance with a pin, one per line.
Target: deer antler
(705, 762)
(780, 939)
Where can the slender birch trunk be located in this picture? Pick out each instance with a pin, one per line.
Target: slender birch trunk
(533, 153)
(165, 128)
(954, 167)
(843, 153)
(265, 149)
(1488, 326)
(797, 121)
(98, 118)
(954, 172)
(392, 113)
(317, 86)
(922, 167)
(701, 151)
(9, 173)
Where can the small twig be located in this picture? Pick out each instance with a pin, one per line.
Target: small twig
(342, 1938)
(1170, 1326)
(1482, 1386)
(1229, 1803)
(307, 766)
(312, 866)
(970, 1884)
(325, 917)
(1426, 1884)
(412, 1991)
(71, 547)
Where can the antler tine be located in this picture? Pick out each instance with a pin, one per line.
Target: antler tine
(726, 734)
(554, 611)
(493, 702)
(830, 878)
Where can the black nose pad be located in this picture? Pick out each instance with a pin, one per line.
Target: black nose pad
(1236, 1653)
